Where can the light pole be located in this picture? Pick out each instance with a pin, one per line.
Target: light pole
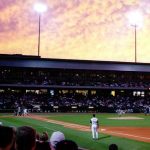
(39, 8)
(135, 43)
(136, 20)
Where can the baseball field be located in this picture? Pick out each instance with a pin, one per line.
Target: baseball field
(129, 132)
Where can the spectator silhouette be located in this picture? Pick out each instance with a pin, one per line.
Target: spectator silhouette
(66, 145)
(25, 138)
(55, 138)
(113, 147)
(42, 142)
(44, 137)
(7, 138)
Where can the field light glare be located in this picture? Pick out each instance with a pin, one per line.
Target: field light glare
(40, 7)
(135, 18)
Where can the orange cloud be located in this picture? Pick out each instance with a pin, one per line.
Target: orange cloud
(75, 29)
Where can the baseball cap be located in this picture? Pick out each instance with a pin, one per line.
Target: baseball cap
(56, 137)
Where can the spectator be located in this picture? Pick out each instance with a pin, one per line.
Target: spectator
(42, 145)
(55, 138)
(44, 137)
(66, 145)
(7, 138)
(113, 147)
(25, 138)
(42, 142)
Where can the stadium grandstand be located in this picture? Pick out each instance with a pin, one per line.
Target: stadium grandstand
(60, 85)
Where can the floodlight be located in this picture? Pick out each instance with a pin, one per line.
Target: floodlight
(40, 7)
(135, 18)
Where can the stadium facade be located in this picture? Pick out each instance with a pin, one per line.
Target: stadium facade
(60, 85)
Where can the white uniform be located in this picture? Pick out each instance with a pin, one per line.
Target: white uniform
(25, 112)
(18, 111)
(94, 127)
(120, 112)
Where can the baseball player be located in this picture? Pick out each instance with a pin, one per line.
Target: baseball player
(94, 127)
(25, 112)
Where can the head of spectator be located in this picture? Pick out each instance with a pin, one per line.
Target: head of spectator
(44, 137)
(66, 145)
(25, 138)
(7, 137)
(55, 138)
(113, 147)
(42, 141)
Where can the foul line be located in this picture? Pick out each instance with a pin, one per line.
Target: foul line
(127, 134)
(86, 129)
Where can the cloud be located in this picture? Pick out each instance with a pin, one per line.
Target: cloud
(74, 29)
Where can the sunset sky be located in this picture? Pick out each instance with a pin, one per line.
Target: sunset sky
(76, 29)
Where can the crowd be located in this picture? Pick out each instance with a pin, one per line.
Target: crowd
(27, 78)
(72, 102)
(74, 78)
(27, 138)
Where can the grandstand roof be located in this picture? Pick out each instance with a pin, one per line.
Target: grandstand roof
(28, 61)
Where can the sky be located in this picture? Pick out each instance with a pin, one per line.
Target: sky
(76, 29)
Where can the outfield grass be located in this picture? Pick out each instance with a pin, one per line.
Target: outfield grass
(84, 139)
(84, 119)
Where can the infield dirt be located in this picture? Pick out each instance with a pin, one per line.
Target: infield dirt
(135, 133)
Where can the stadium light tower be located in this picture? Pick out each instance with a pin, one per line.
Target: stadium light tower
(39, 8)
(135, 20)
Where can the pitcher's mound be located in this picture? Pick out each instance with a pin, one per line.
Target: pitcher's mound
(126, 118)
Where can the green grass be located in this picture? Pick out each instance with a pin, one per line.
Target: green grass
(84, 119)
(83, 139)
